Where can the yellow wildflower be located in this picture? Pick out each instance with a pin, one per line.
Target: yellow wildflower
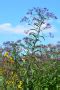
(8, 82)
(6, 54)
(15, 75)
(1, 71)
(12, 72)
(12, 82)
(20, 84)
(11, 59)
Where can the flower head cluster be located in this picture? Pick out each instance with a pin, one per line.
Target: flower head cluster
(20, 84)
(10, 58)
(6, 54)
(9, 82)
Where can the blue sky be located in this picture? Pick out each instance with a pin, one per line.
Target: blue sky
(11, 11)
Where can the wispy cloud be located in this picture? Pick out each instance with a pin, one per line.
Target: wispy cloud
(19, 29)
(9, 28)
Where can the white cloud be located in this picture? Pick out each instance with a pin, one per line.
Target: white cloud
(9, 28)
(22, 29)
(19, 29)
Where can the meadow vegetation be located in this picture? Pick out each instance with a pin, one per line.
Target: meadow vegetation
(28, 64)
